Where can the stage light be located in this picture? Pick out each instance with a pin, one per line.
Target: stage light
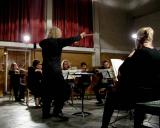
(134, 36)
(26, 38)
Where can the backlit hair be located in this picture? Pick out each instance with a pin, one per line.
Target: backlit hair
(35, 62)
(13, 66)
(83, 63)
(62, 64)
(55, 32)
(145, 34)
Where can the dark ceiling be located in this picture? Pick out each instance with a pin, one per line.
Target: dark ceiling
(136, 8)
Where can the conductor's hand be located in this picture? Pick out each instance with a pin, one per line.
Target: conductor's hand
(83, 34)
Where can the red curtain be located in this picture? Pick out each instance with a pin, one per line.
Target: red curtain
(74, 17)
(18, 17)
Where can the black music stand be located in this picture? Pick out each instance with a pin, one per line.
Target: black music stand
(82, 112)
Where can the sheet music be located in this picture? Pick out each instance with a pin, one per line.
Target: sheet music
(83, 73)
(107, 73)
(116, 63)
(65, 73)
(69, 74)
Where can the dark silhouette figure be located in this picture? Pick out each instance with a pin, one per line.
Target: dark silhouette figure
(138, 80)
(55, 87)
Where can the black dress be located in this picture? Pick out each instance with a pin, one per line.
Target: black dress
(15, 83)
(54, 83)
(35, 81)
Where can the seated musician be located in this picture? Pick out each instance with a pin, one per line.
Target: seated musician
(34, 81)
(83, 81)
(65, 65)
(67, 74)
(138, 80)
(105, 77)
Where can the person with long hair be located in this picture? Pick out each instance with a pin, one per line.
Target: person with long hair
(106, 78)
(65, 65)
(55, 87)
(14, 74)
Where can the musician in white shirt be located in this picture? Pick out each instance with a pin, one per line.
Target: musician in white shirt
(65, 65)
(105, 77)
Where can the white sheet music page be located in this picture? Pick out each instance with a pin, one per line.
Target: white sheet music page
(70, 74)
(65, 74)
(106, 73)
(116, 63)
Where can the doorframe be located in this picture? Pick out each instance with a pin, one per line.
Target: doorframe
(6, 63)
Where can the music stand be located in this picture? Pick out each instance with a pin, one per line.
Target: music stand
(69, 76)
(82, 112)
(66, 74)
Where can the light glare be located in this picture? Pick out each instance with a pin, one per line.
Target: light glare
(26, 38)
(134, 36)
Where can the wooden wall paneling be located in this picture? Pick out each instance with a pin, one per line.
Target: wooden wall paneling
(2, 72)
(74, 58)
(37, 54)
(77, 58)
(20, 57)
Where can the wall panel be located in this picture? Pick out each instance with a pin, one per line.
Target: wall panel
(2, 72)
(74, 58)
(77, 58)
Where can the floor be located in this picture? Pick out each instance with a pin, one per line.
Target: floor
(18, 115)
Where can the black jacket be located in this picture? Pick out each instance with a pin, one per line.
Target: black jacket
(51, 52)
(140, 75)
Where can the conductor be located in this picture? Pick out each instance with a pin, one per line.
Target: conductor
(54, 85)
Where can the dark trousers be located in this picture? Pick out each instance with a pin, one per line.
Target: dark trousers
(58, 103)
(16, 91)
(46, 105)
(97, 87)
(56, 94)
(97, 94)
(114, 101)
(139, 116)
(22, 89)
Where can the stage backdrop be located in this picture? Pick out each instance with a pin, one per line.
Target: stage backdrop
(19, 17)
(74, 17)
